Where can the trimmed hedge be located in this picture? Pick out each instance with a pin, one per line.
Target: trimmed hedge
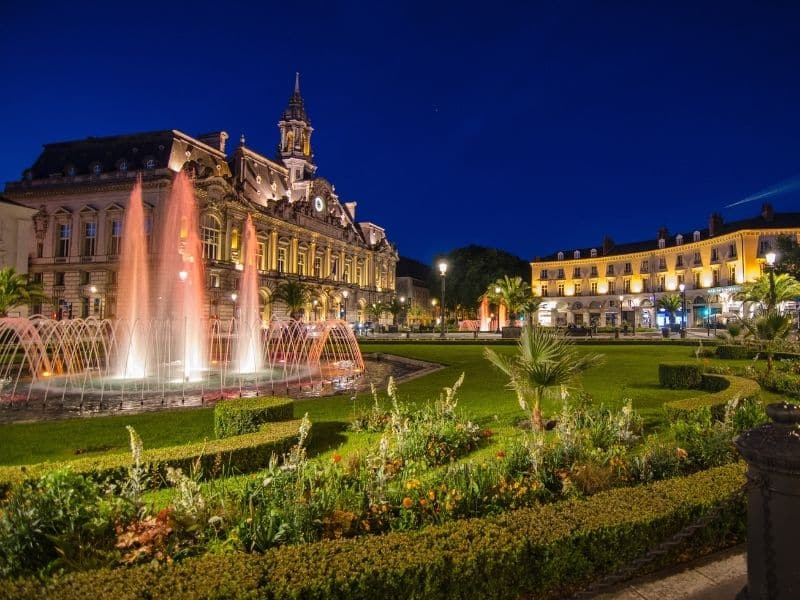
(725, 387)
(732, 351)
(243, 453)
(246, 415)
(545, 551)
(680, 375)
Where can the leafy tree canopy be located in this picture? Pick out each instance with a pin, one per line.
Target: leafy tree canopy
(471, 269)
(788, 256)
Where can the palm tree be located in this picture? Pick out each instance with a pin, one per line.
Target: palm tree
(530, 307)
(769, 332)
(545, 366)
(513, 293)
(786, 288)
(295, 295)
(16, 290)
(671, 304)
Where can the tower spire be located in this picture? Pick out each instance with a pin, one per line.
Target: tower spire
(297, 83)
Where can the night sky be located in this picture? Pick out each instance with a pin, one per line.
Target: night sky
(528, 128)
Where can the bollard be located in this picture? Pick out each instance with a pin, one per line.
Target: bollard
(772, 453)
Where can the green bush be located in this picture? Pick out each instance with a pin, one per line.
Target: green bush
(785, 383)
(247, 415)
(243, 453)
(680, 375)
(543, 551)
(737, 387)
(734, 352)
(62, 520)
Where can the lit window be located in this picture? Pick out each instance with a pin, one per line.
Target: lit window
(116, 237)
(210, 233)
(64, 232)
(282, 259)
(89, 238)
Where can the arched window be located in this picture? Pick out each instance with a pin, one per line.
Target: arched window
(679, 239)
(302, 259)
(593, 253)
(577, 254)
(211, 233)
(560, 256)
(661, 242)
(696, 236)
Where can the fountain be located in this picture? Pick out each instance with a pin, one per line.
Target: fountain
(248, 355)
(162, 350)
(133, 291)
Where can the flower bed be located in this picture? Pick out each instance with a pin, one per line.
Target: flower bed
(545, 551)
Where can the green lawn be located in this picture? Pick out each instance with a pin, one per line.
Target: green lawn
(629, 372)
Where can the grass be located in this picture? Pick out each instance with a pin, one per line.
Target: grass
(629, 372)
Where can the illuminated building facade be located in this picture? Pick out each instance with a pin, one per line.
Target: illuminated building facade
(80, 191)
(621, 284)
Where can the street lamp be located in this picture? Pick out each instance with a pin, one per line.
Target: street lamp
(345, 294)
(443, 272)
(403, 310)
(772, 301)
(635, 307)
(682, 288)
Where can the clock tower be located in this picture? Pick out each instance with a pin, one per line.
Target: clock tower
(295, 144)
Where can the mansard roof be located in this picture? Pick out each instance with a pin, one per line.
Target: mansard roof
(129, 152)
(773, 221)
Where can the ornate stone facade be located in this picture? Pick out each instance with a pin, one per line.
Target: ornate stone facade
(80, 190)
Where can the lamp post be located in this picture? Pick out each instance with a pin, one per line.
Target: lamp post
(621, 300)
(433, 312)
(403, 310)
(772, 301)
(682, 288)
(443, 272)
(635, 307)
(497, 291)
(345, 294)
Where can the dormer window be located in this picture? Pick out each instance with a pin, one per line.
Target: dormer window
(678, 239)
(696, 236)
(71, 171)
(97, 168)
(577, 254)
(593, 253)
(560, 256)
(150, 163)
(661, 242)
(123, 165)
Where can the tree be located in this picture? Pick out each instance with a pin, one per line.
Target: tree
(513, 293)
(395, 307)
(786, 288)
(295, 295)
(671, 304)
(471, 269)
(16, 289)
(376, 310)
(545, 366)
(788, 256)
(769, 332)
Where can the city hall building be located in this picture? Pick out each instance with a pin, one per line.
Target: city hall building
(80, 191)
(615, 284)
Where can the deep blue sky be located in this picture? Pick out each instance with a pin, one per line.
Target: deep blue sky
(532, 128)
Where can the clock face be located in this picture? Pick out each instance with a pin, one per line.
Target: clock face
(319, 204)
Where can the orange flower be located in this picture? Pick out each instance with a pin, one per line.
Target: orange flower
(501, 454)
(407, 502)
(423, 503)
(431, 495)
(337, 458)
(681, 453)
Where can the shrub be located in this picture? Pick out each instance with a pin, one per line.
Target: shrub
(247, 415)
(542, 551)
(736, 352)
(61, 520)
(786, 383)
(738, 387)
(680, 375)
(243, 453)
